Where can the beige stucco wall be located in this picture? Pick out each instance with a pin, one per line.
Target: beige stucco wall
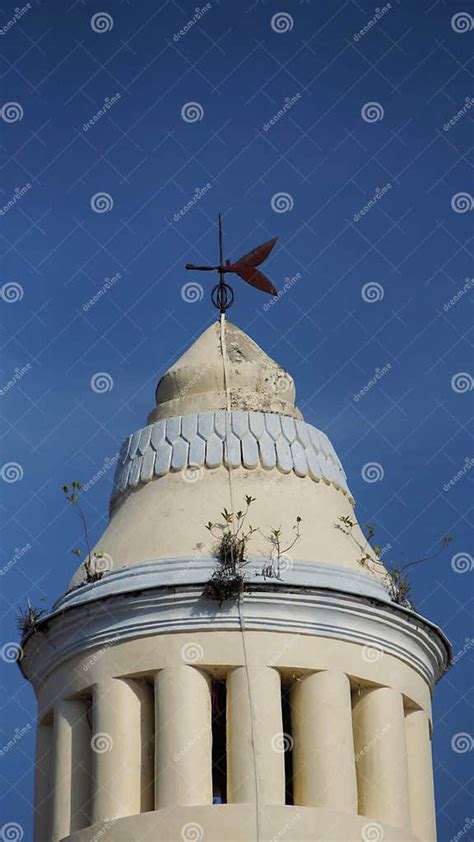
(167, 517)
(291, 653)
(180, 665)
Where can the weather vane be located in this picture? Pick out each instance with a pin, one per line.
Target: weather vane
(222, 294)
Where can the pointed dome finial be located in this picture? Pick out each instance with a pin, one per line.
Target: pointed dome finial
(195, 383)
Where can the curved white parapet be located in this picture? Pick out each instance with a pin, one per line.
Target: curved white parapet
(269, 607)
(174, 572)
(232, 439)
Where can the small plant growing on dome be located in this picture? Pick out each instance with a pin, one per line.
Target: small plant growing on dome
(394, 578)
(277, 552)
(226, 583)
(72, 495)
(28, 617)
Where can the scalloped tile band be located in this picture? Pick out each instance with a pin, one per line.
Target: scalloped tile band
(231, 439)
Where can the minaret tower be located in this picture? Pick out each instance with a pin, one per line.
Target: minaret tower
(299, 709)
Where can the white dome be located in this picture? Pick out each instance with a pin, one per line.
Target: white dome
(195, 383)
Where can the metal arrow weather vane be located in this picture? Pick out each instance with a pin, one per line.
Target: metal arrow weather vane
(222, 294)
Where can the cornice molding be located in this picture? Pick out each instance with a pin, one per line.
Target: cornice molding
(196, 570)
(78, 626)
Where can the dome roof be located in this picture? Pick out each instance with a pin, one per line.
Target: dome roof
(195, 383)
(225, 427)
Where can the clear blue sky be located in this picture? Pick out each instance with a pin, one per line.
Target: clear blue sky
(363, 128)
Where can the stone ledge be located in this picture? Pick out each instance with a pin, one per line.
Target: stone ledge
(279, 607)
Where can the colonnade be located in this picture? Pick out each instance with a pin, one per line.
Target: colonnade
(130, 746)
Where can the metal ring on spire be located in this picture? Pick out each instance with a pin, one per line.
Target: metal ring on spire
(222, 296)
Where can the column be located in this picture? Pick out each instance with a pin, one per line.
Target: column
(116, 750)
(323, 754)
(71, 768)
(254, 731)
(43, 782)
(381, 757)
(420, 776)
(183, 761)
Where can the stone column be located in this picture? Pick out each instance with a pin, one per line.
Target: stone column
(43, 782)
(71, 768)
(183, 761)
(381, 756)
(323, 755)
(258, 748)
(116, 750)
(420, 776)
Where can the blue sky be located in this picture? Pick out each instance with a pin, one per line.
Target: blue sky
(365, 179)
